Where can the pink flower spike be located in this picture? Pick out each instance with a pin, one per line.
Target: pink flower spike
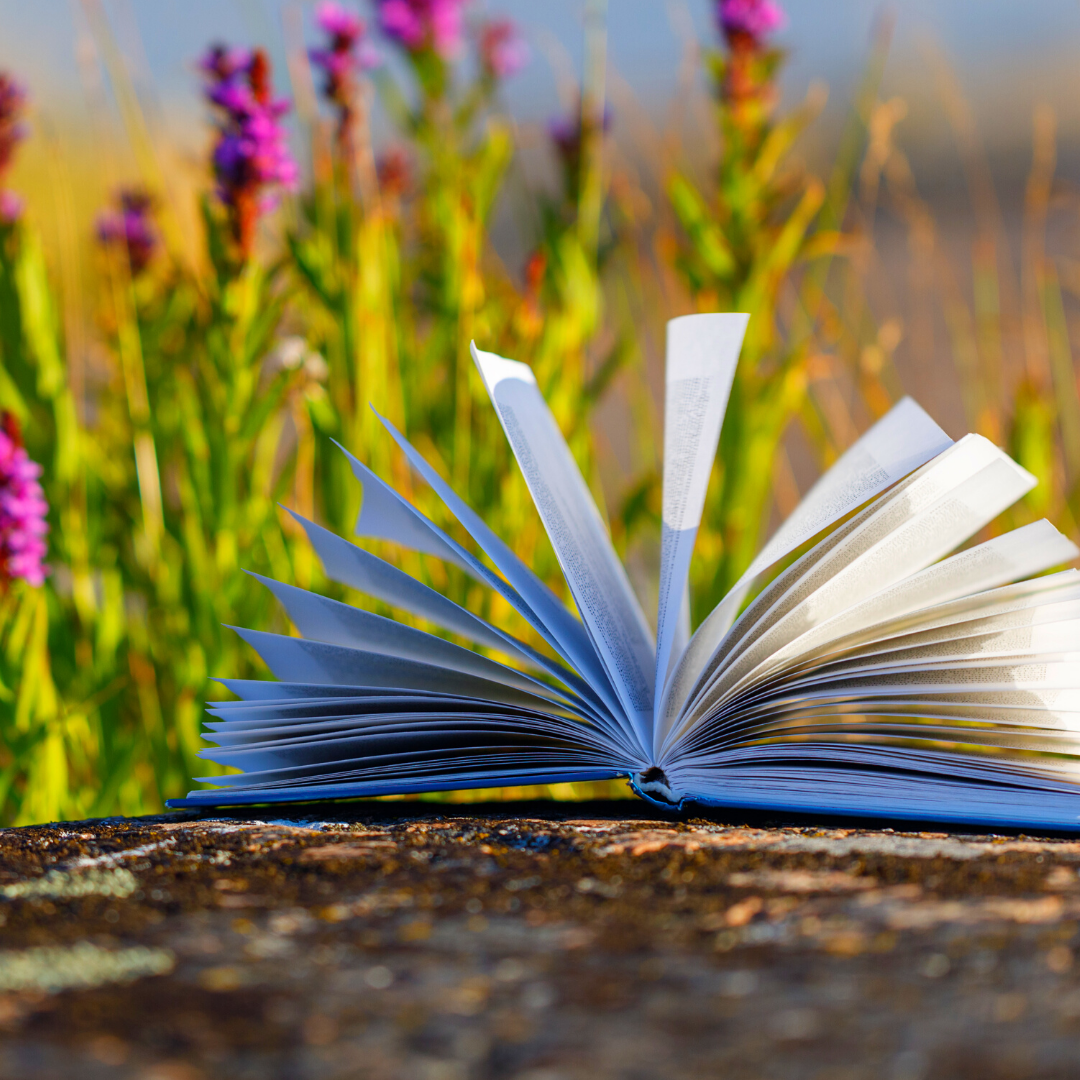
(22, 510)
(11, 207)
(424, 24)
(338, 21)
(252, 148)
(753, 19)
(503, 51)
(446, 27)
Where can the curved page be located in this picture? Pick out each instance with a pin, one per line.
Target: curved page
(702, 351)
(902, 440)
(596, 578)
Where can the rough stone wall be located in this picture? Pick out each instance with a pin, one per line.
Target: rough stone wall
(533, 942)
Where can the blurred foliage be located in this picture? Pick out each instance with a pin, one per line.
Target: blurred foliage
(229, 381)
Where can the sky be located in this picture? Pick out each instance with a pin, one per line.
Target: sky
(1008, 54)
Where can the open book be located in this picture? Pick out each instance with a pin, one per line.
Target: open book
(872, 674)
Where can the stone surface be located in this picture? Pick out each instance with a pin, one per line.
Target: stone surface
(418, 941)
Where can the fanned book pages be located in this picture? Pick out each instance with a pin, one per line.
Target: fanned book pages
(857, 667)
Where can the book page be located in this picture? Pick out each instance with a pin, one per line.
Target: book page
(593, 571)
(1021, 553)
(385, 514)
(446, 748)
(1024, 604)
(480, 775)
(1013, 709)
(1050, 640)
(901, 441)
(359, 569)
(950, 499)
(702, 352)
(293, 659)
(959, 494)
(319, 618)
(1009, 605)
(575, 643)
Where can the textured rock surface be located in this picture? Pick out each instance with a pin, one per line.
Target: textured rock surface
(533, 942)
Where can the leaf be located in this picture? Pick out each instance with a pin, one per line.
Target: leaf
(705, 235)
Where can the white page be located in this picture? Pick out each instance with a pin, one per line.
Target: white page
(596, 578)
(702, 352)
(468, 757)
(978, 677)
(989, 637)
(560, 625)
(1021, 553)
(783, 592)
(332, 750)
(994, 708)
(1047, 639)
(902, 440)
(264, 692)
(319, 618)
(299, 660)
(239, 734)
(350, 565)
(1009, 605)
(359, 569)
(385, 514)
(869, 729)
(953, 498)
(839, 548)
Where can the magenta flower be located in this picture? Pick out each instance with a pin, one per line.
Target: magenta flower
(252, 152)
(424, 24)
(750, 20)
(394, 172)
(503, 51)
(346, 54)
(131, 225)
(339, 22)
(567, 132)
(11, 207)
(12, 132)
(22, 510)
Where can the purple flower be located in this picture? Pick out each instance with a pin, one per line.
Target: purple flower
(11, 207)
(22, 509)
(338, 22)
(503, 51)
(346, 54)
(749, 20)
(12, 130)
(394, 172)
(252, 151)
(424, 24)
(225, 64)
(566, 133)
(569, 134)
(132, 225)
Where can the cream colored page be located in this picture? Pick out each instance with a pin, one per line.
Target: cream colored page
(593, 572)
(830, 554)
(905, 438)
(969, 487)
(1023, 552)
(1013, 605)
(702, 352)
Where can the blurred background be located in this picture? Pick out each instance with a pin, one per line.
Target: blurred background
(226, 227)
